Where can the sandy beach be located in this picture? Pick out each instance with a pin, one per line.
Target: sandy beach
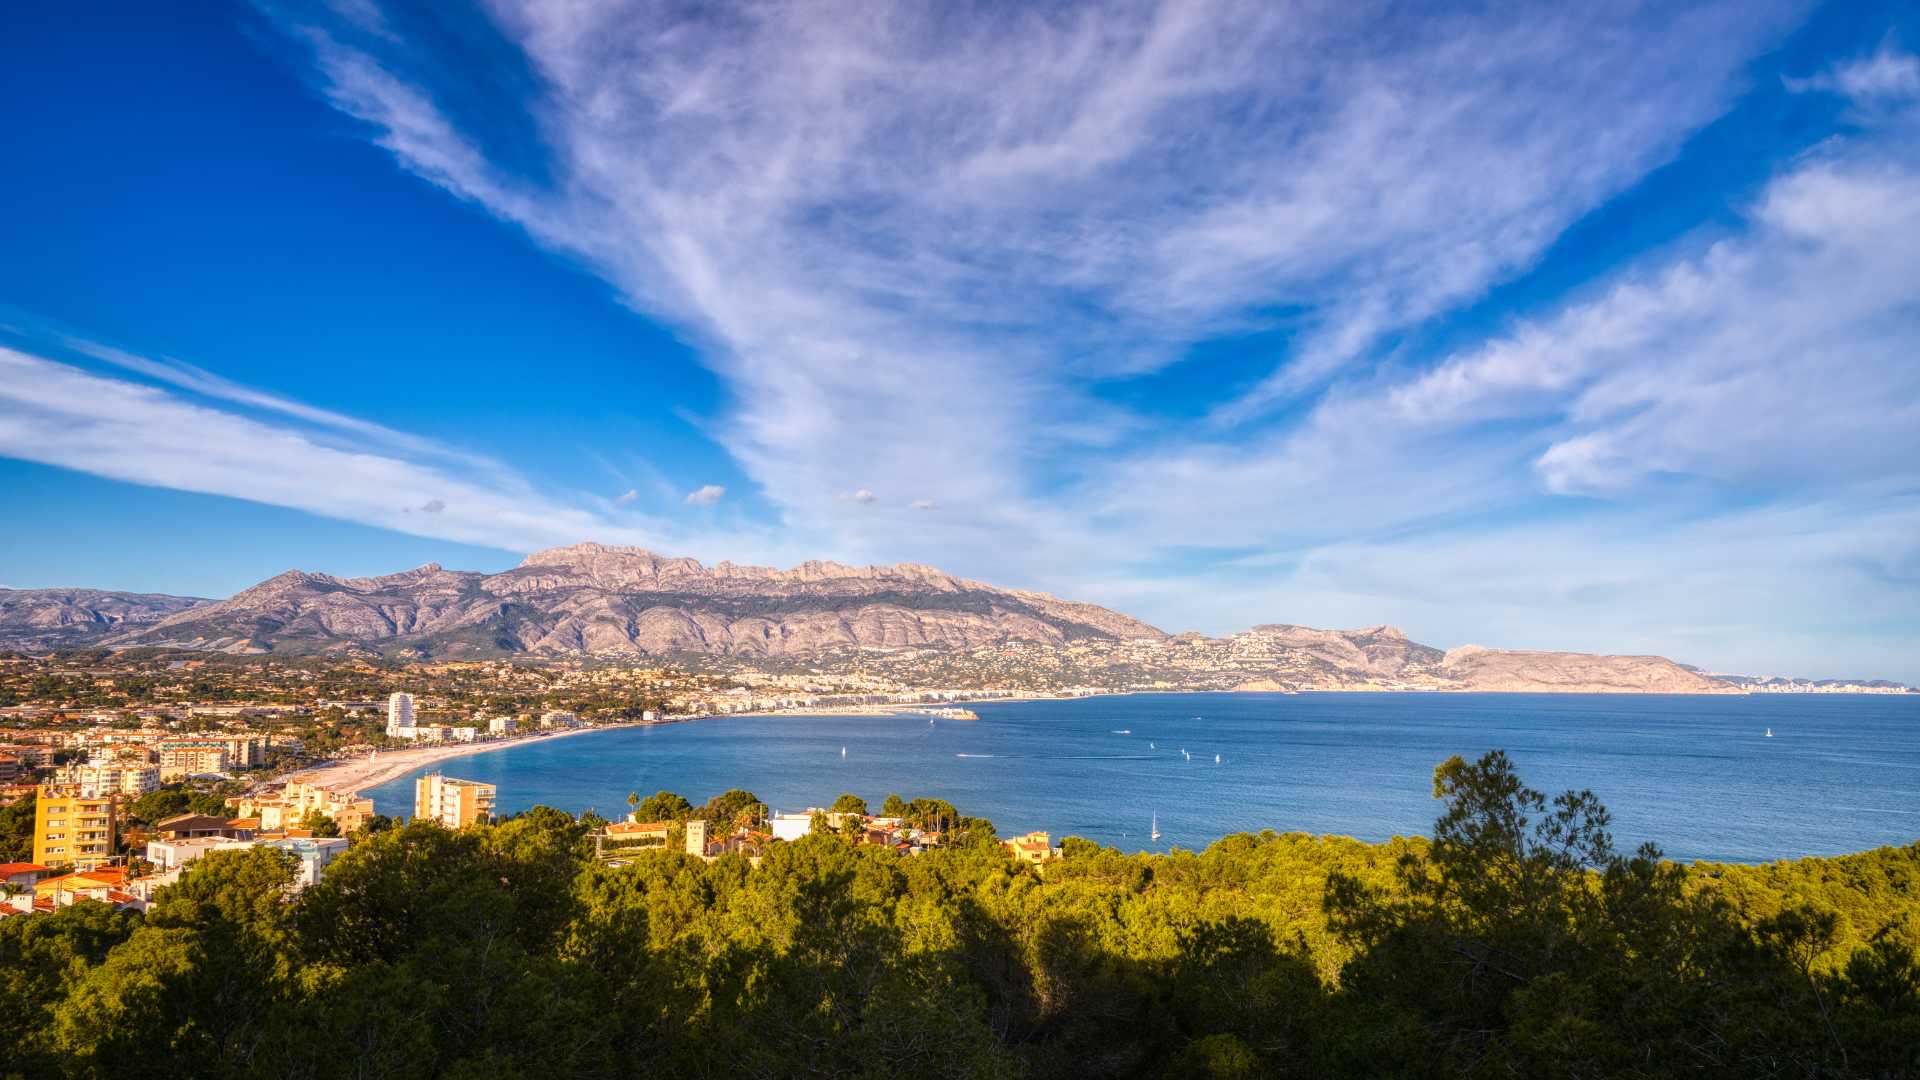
(355, 775)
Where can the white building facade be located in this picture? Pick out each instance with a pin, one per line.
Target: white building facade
(400, 723)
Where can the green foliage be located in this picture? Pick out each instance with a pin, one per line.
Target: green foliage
(16, 830)
(175, 799)
(376, 823)
(849, 804)
(1515, 942)
(318, 823)
(662, 806)
(41, 958)
(732, 808)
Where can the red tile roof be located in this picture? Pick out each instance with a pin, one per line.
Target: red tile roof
(11, 868)
(93, 879)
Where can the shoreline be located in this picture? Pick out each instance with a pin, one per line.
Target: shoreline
(352, 776)
(884, 710)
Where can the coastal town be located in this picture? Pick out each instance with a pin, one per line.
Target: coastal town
(118, 768)
(115, 777)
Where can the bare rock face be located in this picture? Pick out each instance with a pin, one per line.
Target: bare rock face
(591, 598)
(68, 618)
(1573, 673)
(1374, 651)
(1382, 657)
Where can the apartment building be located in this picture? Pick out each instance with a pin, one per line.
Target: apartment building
(71, 829)
(245, 751)
(184, 758)
(453, 803)
(298, 799)
(110, 776)
(400, 723)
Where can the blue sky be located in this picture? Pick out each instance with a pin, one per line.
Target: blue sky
(1587, 327)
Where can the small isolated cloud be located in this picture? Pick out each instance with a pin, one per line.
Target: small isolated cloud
(626, 497)
(705, 495)
(433, 506)
(924, 504)
(1886, 77)
(860, 496)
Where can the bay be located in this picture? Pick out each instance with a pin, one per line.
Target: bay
(1697, 775)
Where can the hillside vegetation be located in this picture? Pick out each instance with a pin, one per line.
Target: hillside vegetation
(1513, 942)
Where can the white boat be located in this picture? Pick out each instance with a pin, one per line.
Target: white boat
(1153, 746)
(1156, 826)
(1188, 754)
(1769, 733)
(1122, 731)
(1216, 759)
(843, 751)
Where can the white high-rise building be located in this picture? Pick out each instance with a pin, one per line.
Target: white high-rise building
(400, 716)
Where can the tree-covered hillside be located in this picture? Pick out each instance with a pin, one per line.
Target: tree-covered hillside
(1513, 942)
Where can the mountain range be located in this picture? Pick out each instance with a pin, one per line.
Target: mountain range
(592, 599)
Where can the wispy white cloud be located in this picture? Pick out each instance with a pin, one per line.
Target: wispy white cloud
(1773, 363)
(1774, 359)
(913, 241)
(705, 495)
(1889, 76)
(59, 414)
(932, 222)
(207, 384)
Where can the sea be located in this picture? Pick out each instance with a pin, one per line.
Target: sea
(1699, 776)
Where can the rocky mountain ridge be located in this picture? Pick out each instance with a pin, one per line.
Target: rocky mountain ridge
(613, 602)
(63, 618)
(1383, 657)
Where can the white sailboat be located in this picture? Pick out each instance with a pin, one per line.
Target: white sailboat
(1156, 826)
(1216, 759)
(1769, 733)
(843, 751)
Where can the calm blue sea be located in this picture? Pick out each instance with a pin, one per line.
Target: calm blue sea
(1697, 775)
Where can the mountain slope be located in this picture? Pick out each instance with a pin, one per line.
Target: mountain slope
(610, 601)
(1281, 657)
(69, 618)
(1573, 673)
(591, 599)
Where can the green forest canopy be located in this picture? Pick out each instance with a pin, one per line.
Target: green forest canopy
(1514, 942)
